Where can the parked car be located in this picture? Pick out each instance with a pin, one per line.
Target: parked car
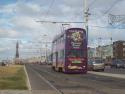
(96, 65)
(118, 64)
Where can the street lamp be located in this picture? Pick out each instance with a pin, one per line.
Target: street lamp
(45, 48)
(100, 48)
(86, 14)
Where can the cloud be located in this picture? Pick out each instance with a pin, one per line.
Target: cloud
(27, 9)
(8, 33)
(74, 3)
(7, 9)
(18, 20)
(3, 49)
(25, 23)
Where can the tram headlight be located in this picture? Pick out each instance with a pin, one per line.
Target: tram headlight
(84, 66)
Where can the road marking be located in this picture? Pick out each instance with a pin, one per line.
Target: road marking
(52, 86)
(122, 76)
(27, 77)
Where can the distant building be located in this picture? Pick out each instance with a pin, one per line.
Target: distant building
(105, 52)
(91, 52)
(112, 51)
(36, 59)
(119, 49)
(99, 51)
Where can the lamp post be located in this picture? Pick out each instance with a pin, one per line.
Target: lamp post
(45, 48)
(40, 55)
(100, 48)
(86, 14)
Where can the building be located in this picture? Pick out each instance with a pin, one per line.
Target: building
(99, 51)
(115, 50)
(119, 49)
(91, 52)
(107, 52)
(36, 59)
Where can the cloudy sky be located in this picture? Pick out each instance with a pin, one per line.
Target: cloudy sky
(18, 22)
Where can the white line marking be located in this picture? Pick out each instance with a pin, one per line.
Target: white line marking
(122, 76)
(52, 86)
(28, 81)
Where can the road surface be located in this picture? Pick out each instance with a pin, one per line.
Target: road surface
(42, 77)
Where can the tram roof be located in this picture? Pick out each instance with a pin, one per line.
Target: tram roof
(64, 31)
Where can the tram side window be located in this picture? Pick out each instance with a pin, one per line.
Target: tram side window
(58, 41)
(54, 57)
(62, 38)
(54, 43)
(61, 54)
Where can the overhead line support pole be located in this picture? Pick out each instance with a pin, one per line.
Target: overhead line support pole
(86, 9)
(86, 14)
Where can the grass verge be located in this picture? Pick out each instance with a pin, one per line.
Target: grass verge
(13, 77)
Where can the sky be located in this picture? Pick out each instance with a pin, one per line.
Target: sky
(18, 22)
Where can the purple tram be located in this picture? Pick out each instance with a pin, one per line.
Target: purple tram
(69, 51)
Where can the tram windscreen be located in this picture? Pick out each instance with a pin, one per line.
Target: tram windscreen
(75, 53)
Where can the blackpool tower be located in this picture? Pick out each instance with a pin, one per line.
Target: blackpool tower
(17, 53)
(17, 50)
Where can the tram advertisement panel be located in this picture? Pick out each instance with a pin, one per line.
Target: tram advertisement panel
(75, 39)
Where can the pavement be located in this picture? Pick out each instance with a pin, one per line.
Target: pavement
(121, 76)
(48, 92)
(27, 92)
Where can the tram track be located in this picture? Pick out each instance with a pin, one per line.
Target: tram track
(67, 83)
(58, 91)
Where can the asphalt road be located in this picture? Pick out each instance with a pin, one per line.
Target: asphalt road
(42, 77)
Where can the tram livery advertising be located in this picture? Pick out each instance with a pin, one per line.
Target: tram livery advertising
(69, 51)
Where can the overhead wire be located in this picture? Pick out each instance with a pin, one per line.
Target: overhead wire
(90, 5)
(113, 4)
(51, 4)
(60, 21)
(54, 22)
(109, 9)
